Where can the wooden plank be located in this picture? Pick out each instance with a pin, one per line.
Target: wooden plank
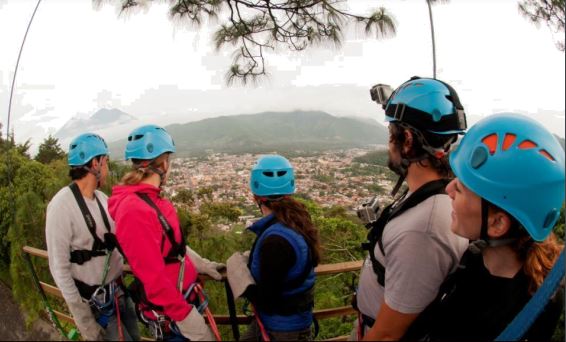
(334, 312)
(321, 270)
(35, 252)
(339, 338)
(64, 317)
(225, 319)
(51, 290)
(340, 267)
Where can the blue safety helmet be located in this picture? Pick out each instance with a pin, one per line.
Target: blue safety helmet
(513, 162)
(85, 147)
(272, 175)
(427, 105)
(148, 142)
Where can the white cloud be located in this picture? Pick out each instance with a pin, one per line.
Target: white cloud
(77, 59)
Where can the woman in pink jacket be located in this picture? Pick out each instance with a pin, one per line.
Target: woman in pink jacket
(148, 232)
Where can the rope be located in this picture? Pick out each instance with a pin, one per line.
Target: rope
(202, 297)
(120, 330)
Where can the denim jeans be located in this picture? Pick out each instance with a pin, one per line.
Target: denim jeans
(128, 320)
(254, 334)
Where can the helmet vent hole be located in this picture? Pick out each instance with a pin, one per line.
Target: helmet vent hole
(281, 173)
(149, 148)
(82, 155)
(256, 184)
(268, 173)
(508, 141)
(551, 217)
(527, 144)
(491, 142)
(547, 155)
(73, 146)
(479, 157)
(137, 137)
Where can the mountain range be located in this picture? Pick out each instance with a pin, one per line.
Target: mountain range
(110, 123)
(306, 131)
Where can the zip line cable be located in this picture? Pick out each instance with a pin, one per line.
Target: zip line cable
(72, 335)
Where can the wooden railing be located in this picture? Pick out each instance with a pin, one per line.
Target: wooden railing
(321, 270)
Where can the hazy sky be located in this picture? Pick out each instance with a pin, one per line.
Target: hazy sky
(78, 60)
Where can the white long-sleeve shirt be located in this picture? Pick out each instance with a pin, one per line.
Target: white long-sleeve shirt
(66, 231)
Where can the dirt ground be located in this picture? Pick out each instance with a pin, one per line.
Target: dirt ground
(12, 326)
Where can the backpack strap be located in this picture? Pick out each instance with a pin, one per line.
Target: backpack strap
(375, 235)
(99, 247)
(178, 249)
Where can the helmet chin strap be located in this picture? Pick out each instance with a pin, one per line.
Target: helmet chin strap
(160, 173)
(402, 171)
(477, 246)
(96, 173)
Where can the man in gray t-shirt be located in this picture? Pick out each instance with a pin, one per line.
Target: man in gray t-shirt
(415, 249)
(82, 260)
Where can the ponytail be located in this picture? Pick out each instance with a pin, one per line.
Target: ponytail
(140, 171)
(538, 257)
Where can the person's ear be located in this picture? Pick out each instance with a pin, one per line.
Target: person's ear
(408, 140)
(499, 224)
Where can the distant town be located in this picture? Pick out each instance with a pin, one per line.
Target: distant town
(330, 178)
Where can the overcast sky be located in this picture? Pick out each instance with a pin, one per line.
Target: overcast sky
(78, 60)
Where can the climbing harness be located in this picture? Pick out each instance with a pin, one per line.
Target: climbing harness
(99, 247)
(398, 207)
(162, 325)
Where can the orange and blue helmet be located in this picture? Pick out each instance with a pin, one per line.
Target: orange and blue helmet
(515, 163)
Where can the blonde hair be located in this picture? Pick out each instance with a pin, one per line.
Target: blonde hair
(141, 169)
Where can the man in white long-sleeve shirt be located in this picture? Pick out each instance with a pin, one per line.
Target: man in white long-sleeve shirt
(83, 261)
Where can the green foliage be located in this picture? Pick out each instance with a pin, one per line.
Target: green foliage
(185, 197)
(217, 211)
(49, 150)
(379, 157)
(549, 12)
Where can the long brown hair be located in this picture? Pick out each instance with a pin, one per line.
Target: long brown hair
(294, 215)
(140, 171)
(537, 257)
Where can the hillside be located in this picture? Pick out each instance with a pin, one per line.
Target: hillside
(271, 131)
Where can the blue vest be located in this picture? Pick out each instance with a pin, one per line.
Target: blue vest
(268, 226)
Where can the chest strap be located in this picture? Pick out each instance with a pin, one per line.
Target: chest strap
(178, 249)
(375, 235)
(99, 247)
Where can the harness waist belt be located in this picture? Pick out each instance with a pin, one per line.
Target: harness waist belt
(287, 306)
(86, 290)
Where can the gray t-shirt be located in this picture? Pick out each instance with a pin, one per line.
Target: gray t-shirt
(66, 231)
(420, 251)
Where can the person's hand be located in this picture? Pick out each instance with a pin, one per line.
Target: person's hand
(205, 266)
(85, 321)
(194, 327)
(239, 275)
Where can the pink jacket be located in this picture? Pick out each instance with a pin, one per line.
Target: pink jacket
(141, 236)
